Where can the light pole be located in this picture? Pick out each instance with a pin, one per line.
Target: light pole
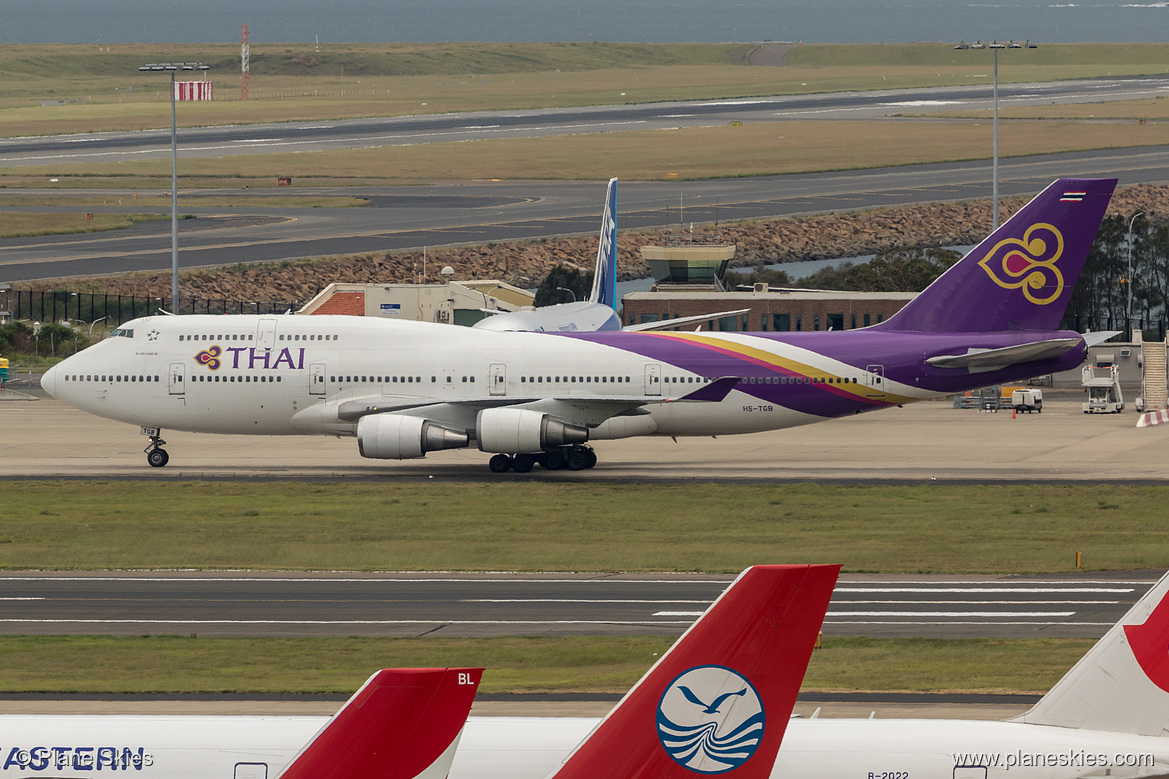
(1128, 302)
(995, 46)
(569, 291)
(173, 67)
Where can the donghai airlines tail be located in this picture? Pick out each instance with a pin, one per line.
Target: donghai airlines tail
(402, 724)
(1107, 718)
(717, 702)
(404, 389)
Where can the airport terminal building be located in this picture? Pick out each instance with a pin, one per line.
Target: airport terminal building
(768, 310)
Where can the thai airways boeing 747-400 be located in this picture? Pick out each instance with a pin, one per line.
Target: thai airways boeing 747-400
(408, 388)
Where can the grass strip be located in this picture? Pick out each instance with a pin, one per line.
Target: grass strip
(175, 664)
(22, 224)
(591, 527)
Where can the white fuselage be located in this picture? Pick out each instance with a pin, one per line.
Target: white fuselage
(531, 748)
(288, 375)
(203, 747)
(190, 747)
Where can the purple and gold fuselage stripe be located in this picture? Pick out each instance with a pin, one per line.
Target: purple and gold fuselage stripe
(781, 365)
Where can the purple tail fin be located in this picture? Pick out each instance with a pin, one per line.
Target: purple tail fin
(1021, 277)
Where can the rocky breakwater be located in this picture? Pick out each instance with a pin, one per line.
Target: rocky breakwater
(524, 263)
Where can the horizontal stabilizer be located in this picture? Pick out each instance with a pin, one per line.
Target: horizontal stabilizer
(670, 324)
(977, 360)
(1091, 339)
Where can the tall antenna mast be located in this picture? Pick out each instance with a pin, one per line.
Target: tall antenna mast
(245, 59)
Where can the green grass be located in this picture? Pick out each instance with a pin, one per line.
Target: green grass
(564, 527)
(18, 224)
(102, 89)
(176, 664)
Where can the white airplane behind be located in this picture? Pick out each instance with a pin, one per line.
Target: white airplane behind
(401, 724)
(599, 312)
(1107, 717)
(408, 388)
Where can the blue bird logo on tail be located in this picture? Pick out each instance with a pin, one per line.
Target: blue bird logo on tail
(712, 708)
(714, 737)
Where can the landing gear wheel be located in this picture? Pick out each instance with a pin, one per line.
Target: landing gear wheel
(590, 457)
(499, 463)
(577, 460)
(155, 454)
(522, 463)
(554, 460)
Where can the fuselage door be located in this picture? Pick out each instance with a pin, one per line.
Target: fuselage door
(251, 771)
(875, 381)
(175, 381)
(653, 379)
(266, 333)
(497, 379)
(318, 378)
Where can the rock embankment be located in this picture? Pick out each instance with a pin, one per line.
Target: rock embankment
(525, 263)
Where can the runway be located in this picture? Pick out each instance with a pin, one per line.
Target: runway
(458, 213)
(446, 128)
(492, 605)
(926, 442)
(472, 212)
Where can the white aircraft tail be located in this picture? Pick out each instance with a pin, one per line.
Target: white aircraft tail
(402, 724)
(1122, 684)
(605, 276)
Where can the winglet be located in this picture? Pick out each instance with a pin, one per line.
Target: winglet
(605, 276)
(713, 392)
(719, 701)
(401, 724)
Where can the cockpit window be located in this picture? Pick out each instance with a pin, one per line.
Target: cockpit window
(123, 332)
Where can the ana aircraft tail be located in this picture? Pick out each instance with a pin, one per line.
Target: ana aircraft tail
(402, 724)
(1122, 684)
(1021, 277)
(605, 276)
(719, 701)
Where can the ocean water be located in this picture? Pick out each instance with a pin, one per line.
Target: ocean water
(655, 21)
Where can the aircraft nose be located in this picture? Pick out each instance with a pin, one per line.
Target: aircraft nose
(49, 380)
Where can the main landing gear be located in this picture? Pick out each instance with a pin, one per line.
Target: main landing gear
(573, 458)
(155, 454)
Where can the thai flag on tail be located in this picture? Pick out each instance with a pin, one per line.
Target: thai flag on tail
(1073, 197)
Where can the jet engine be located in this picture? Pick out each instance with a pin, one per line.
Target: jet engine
(521, 430)
(397, 437)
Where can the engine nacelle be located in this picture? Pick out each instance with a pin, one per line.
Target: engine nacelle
(397, 437)
(523, 431)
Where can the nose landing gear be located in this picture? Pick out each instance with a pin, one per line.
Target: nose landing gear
(155, 454)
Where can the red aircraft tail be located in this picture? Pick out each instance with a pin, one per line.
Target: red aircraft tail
(719, 701)
(402, 724)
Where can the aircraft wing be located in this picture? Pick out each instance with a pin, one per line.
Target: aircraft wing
(978, 360)
(685, 320)
(590, 409)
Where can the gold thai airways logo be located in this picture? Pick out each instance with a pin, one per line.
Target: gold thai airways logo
(1028, 264)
